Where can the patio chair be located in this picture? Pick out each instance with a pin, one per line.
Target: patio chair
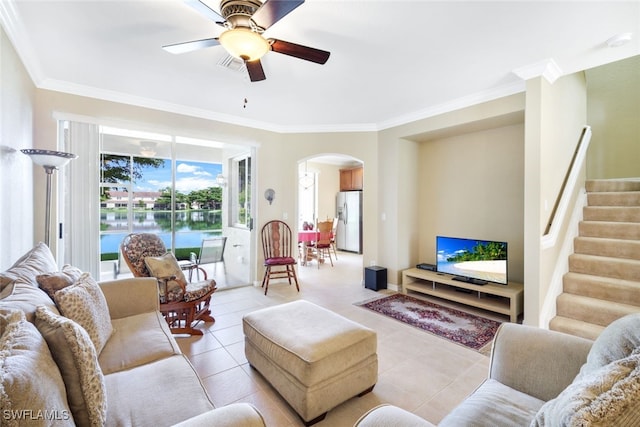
(211, 252)
(181, 303)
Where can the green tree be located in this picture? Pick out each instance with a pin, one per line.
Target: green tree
(209, 198)
(482, 252)
(119, 170)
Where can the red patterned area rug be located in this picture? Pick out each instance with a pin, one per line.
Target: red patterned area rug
(454, 325)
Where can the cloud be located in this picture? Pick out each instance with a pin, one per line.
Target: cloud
(186, 168)
(196, 170)
(188, 184)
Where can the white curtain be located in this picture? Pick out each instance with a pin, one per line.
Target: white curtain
(81, 199)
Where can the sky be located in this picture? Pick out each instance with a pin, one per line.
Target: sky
(189, 176)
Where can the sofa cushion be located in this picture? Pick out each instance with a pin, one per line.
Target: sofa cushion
(605, 397)
(515, 408)
(27, 298)
(54, 281)
(170, 384)
(166, 267)
(617, 341)
(137, 340)
(38, 260)
(77, 360)
(30, 381)
(84, 303)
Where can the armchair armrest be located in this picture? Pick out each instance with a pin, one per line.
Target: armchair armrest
(128, 297)
(235, 414)
(535, 361)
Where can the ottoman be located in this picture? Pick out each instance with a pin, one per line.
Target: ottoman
(314, 358)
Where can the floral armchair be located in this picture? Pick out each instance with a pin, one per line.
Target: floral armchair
(182, 303)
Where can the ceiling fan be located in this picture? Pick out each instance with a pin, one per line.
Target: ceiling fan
(244, 22)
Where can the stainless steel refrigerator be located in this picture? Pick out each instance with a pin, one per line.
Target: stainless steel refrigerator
(349, 213)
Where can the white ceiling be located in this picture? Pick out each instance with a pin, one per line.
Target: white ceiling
(391, 61)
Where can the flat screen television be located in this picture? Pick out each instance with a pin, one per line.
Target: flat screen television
(471, 260)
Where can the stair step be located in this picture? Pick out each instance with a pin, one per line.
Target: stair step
(605, 288)
(614, 198)
(592, 310)
(615, 248)
(608, 229)
(631, 184)
(617, 268)
(612, 213)
(575, 327)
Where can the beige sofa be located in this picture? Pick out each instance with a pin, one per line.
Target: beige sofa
(539, 377)
(127, 371)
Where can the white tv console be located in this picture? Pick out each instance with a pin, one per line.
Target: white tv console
(504, 299)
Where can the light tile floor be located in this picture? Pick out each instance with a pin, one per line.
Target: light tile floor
(419, 372)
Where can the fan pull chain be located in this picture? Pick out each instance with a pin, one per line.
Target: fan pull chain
(245, 103)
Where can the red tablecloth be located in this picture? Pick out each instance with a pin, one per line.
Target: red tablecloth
(307, 235)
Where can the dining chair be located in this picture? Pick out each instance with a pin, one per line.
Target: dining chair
(334, 231)
(323, 244)
(277, 247)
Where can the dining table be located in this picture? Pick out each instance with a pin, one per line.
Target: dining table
(305, 237)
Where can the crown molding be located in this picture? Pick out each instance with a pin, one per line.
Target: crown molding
(10, 21)
(456, 104)
(546, 68)
(123, 98)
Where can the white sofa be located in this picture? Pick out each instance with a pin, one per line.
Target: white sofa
(138, 378)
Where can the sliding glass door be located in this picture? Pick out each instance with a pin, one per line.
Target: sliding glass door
(182, 189)
(158, 184)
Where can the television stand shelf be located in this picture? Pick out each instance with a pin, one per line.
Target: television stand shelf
(503, 299)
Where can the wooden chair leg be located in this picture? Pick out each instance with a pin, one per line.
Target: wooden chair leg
(265, 280)
(295, 277)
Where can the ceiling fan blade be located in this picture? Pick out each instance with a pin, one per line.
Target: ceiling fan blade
(191, 46)
(256, 72)
(302, 52)
(206, 11)
(272, 11)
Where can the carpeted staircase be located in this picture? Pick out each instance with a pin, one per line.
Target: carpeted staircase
(603, 282)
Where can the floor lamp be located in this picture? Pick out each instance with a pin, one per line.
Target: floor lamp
(50, 161)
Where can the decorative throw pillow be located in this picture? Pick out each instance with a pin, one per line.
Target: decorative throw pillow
(617, 341)
(606, 397)
(31, 386)
(171, 280)
(84, 303)
(77, 360)
(53, 282)
(38, 260)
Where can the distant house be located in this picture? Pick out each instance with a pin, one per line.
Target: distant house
(120, 199)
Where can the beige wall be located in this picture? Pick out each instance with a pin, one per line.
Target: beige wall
(555, 116)
(614, 117)
(472, 185)
(402, 173)
(16, 170)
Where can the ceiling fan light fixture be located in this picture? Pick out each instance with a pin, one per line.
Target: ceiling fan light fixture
(244, 43)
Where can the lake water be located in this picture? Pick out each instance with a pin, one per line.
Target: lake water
(191, 227)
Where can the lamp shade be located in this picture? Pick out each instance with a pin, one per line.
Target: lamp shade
(48, 158)
(244, 43)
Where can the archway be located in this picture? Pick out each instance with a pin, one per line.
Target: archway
(320, 180)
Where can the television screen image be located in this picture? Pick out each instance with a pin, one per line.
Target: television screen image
(471, 260)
